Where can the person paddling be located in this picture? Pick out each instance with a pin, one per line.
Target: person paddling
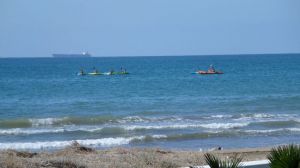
(111, 72)
(211, 69)
(95, 70)
(81, 72)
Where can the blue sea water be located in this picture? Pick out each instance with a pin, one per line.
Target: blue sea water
(44, 104)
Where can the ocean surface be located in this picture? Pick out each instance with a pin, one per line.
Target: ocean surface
(45, 105)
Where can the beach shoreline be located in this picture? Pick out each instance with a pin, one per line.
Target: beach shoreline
(80, 156)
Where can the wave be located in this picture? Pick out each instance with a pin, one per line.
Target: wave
(111, 130)
(263, 116)
(219, 121)
(118, 141)
(279, 130)
(183, 126)
(17, 131)
(109, 142)
(277, 123)
(36, 122)
(88, 129)
(224, 125)
(120, 129)
(160, 127)
(117, 129)
(17, 123)
(97, 120)
(214, 134)
(104, 142)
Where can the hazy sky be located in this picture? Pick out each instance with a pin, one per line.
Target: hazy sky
(38, 28)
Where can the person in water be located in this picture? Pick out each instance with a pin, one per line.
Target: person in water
(95, 70)
(111, 71)
(211, 69)
(123, 70)
(81, 72)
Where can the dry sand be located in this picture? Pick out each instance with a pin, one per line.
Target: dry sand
(77, 156)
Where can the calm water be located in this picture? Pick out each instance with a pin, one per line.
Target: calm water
(45, 105)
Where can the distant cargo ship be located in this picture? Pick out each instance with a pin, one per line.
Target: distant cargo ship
(82, 55)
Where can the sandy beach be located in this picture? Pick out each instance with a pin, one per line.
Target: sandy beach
(79, 156)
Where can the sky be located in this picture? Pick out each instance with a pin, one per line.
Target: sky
(39, 28)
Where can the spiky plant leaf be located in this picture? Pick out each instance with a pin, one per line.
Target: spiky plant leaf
(212, 161)
(287, 156)
(215, 162)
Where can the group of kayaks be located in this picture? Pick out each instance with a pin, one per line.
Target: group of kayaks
(95, 72)
(104, 73)
(211, 71)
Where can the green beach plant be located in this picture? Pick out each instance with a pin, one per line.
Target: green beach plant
(215, 162)
(287, 156)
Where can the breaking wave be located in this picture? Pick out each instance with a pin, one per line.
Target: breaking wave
(98, 120)
(118, 126)
(25, 123)
(17, 131)
(119, 141)
(119, 129)
(104, 142)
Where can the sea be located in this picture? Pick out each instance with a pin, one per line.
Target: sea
(45, 105)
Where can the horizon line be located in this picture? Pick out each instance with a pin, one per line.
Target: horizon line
(175, 55)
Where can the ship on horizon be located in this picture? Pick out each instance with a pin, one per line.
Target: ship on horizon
(82, 55)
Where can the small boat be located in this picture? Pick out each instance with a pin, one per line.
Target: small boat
(211, 71)
(208, 72)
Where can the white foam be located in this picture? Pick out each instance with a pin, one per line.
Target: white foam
(296, 120)
(132, 119)
(265, 116)
(263, 131)
(182, 126)
(224, 125)
(294, 129)
(159, 136)
(274, 130)
(87, 128)
(221, 116)
(139, 119)
(16, 131)
(104, 142)
(41, 130)
(174, 126)
(262, 115)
